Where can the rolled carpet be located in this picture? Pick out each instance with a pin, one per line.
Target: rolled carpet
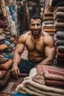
(6, 65)
(58, 15)
(59, 24)
(3, 59)
(60, 19)
(60, 49)
(59, 42)
(59, 54)
(3, 47)
(48, 18)
(60, 35)
(2, 24)
(59, 9)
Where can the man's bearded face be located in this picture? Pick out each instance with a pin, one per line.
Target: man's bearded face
(35, 26)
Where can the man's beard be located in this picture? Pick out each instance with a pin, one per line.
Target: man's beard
(35, 33)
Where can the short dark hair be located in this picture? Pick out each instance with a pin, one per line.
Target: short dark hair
(35, 16)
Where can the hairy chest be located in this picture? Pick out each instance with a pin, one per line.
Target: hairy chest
(36, 45)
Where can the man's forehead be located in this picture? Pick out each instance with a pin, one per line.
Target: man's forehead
(35, 20)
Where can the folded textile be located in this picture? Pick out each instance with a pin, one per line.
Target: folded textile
(3, 59)
(4, 81)
(33, 88)
(1, 31)
(49, 22)
(60, 35)
(2, 73)
(3, 47)
(59, 9)
(59, 42)
(7, 42)
(60, 49)
(59, 19)
(2, 37)
(49, 72)
(48, 26)
(59, 24)
(49, 30)
(58, 15)
(54, 83)
(2, 41)
(48, 18)
(59, 54)
(7, 65)
(2, 24)
(29, 86)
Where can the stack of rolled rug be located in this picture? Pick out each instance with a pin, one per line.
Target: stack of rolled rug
(48, 20)
(43, 81)
(58, 15)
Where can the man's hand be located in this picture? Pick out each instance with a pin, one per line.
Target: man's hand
(15, 71)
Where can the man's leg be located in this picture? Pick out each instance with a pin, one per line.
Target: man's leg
(25, 66)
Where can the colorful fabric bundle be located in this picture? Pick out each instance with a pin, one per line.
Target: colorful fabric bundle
(3, 47)
(2, 41)
(2, 24)
(1, 31)
(3, 59)
(6, 65)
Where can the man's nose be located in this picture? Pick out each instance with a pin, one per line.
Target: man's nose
(35, 26)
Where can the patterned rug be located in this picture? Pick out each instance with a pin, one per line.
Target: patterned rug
(9, 89)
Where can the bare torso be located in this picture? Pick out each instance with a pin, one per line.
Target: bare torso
(35, 47)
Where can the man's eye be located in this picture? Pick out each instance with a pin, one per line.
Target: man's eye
(38, 24)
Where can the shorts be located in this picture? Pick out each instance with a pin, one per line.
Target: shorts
(26, 65)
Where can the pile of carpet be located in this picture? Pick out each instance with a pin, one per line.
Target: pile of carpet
(43, 81)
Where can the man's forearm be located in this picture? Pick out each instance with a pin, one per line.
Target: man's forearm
(16, 59)
(46, 61)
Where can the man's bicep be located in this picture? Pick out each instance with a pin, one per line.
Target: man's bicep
(19, 48)
(50, 52)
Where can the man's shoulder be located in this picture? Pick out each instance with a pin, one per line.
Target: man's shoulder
(48, 39)
(45, 34)
(24, 36)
